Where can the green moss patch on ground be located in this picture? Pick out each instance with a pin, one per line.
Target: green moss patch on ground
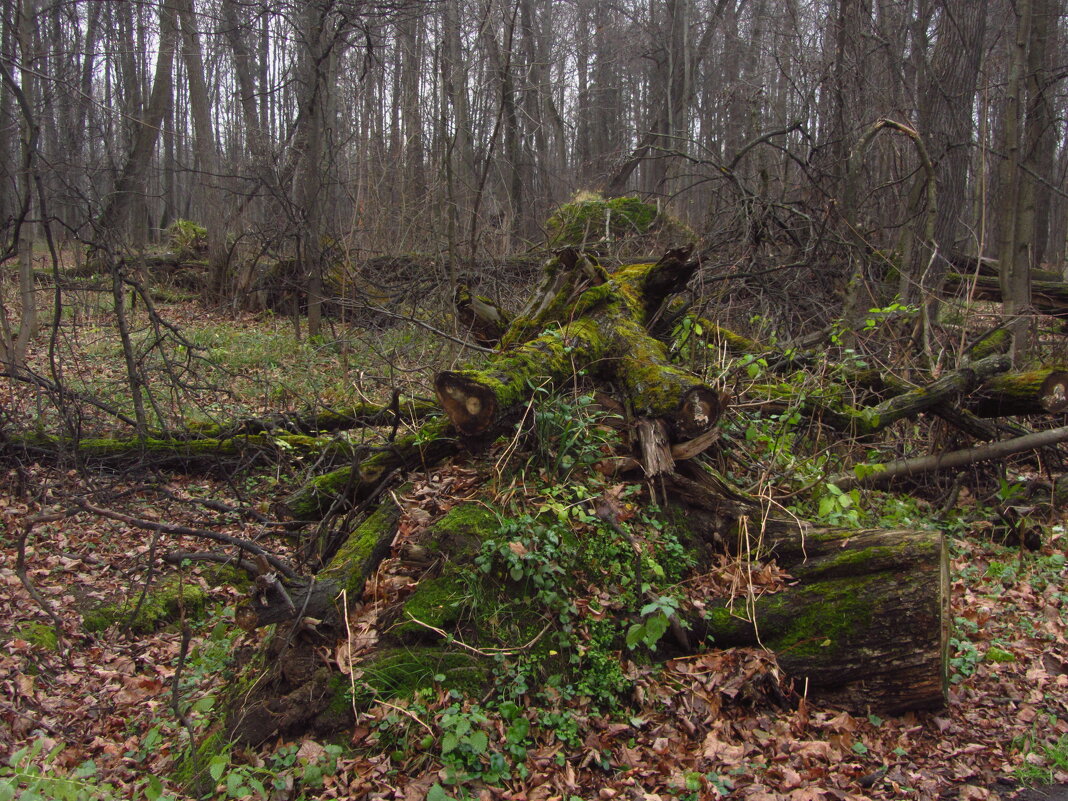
(164, 603)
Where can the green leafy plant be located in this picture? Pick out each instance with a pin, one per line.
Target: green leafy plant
(33, 774)
(1043, 760)
(187, 238)
(656, 619)
(838, 507)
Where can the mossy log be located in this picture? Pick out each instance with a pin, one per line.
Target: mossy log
(1048, 297)
(360, 552)
(290, 690)
(970, 265)
(866, 624)
(186, 452)
(340, 490)
(584, 318)
(214, 444)
(903, 402)
(1042, 391)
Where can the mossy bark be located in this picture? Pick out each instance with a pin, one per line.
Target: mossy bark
(829, 406)
(357, 557)
(585, 319)
(340, 490)
(866, 624)
(1043, 391)
(291, 690)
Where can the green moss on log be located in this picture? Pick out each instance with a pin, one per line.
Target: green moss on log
(591, 218)
(428, 445)
(349, 567)
(439, 602)
(460, 532)
(999, 340)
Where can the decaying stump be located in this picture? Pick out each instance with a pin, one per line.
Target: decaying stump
(861, 599)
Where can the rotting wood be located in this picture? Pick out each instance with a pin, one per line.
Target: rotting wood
(1042, 391)
(584, 318)
(866, 624)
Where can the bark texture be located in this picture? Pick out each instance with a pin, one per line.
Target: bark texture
(866, 625)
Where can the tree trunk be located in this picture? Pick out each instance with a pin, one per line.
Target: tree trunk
(130, 184)
(866, 626)
(204, 135)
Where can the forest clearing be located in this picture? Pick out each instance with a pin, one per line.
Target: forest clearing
(146, 554)
(533, 400)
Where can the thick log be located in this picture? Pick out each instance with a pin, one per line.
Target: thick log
(589, 320)
(1043, 391)
(866, 625)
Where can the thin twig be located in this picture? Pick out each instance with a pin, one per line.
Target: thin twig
(480, 651)
(185, 531)
(24, 577)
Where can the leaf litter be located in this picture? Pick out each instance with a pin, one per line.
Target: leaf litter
(720, 723)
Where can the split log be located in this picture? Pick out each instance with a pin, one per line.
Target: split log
(1042, 391)
(865, 626)
(480, 316)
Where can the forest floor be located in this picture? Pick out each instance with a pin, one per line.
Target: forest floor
(701, 729)
(109, 713)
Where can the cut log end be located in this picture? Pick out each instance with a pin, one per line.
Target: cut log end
(471, 407)
(699, 410)
(1054, 394)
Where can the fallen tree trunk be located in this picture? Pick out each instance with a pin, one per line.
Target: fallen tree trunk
(1043, 391)
(876, 474)
(903, 402)
(584, 320)
(1048, 297)
(340, 490)
(588, 319)
(189, 453)
(865, 626)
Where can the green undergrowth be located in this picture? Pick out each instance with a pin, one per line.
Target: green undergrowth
(538, 621)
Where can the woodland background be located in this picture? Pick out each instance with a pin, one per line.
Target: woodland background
(237, 241)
